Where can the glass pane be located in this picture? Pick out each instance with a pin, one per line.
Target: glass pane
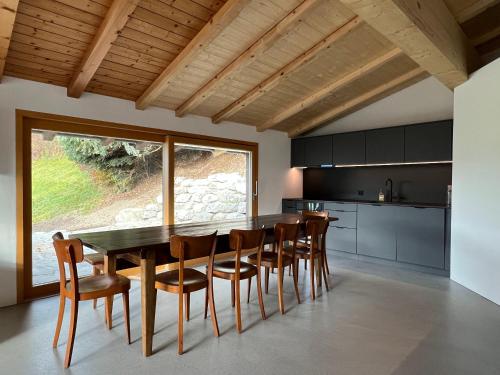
(210, 184)
(82, 184)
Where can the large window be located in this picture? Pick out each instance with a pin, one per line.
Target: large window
(87, 184)
(76, 175)
(211, 183)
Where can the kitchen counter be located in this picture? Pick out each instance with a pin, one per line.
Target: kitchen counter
(361, 201)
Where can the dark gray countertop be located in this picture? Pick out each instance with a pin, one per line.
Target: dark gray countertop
(361, 201)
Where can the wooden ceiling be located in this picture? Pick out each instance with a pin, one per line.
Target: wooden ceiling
(289, 65)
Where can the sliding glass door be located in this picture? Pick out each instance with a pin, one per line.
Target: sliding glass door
(211, 183)
(88, 184)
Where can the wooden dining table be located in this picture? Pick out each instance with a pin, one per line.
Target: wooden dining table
(149, 248)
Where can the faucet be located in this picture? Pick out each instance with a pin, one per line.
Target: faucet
(388, 190)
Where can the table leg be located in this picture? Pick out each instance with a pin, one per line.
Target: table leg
(147, 300)
(110, 269)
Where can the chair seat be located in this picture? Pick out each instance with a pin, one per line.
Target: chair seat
(301, 252)
(227, 270)
(270, 259)
(193, 280)
(100, 286)
(94, 259)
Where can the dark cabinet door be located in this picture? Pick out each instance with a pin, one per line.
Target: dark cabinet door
(341, 239)
(288, 206)
(377, 231)
(298, 157)
(318, 151)
(349, 148)
(385, 145)
(429, 142)
(421, 236)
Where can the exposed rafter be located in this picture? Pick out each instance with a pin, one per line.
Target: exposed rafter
(283, 73)
(208, 33)
(329, 89)
(426, 31)
(113, 22)
(376, 93)
(250, 55)
(471, 10)
(8, 9)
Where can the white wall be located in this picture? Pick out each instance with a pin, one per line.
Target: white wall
(427, 100)
(475, 240)
(276, 179)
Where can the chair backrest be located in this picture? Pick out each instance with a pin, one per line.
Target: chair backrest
(284, 233)
(191, 247)
(70, 252)
(316, 231)
(240, 239)
(311, 215)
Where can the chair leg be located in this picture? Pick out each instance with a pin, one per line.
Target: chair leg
(187, 303)
(318, 271)
(281, 271)
(213, 314)
(180, 323)
(296, 280)
(326, 264)
(311, 273)
(249, 289)
(95, 272)
(232, 293)
(259, 294)
(290, 270)
(206, 302)
(323, 268)
(155, 297)
(266, 277)
(62, 305)
(109, 312)
(126, 315)
(238, 305)
(72, 330)
(305, 264)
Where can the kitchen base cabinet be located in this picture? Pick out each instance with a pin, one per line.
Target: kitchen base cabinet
(341, 239)
(377, 231)
(421, 236)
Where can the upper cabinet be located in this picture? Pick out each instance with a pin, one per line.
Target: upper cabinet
(429, 142)
(385, 146)
(349, 148)
(311, 152)
(319, 151)
(298, 157)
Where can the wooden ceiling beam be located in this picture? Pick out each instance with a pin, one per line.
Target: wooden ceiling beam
(426, 31)
(256, 50)
(282, 74)
(374, 94)
(207, 34)
(330, 89)
(471, 9)
(8, 10)
(114, 21)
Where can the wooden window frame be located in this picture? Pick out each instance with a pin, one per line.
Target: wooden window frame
(26, 121)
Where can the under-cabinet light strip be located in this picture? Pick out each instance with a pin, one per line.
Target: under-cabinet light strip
(382, 164)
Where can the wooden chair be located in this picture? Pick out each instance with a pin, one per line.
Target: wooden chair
(283, 233)
(236, 270)
(86, 288)
(184, 281)
(95, 260)
(312, 249)
(314, 215)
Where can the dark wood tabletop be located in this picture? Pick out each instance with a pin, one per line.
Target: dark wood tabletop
(123, 241)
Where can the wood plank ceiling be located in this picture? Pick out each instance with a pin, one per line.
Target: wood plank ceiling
(289, 65)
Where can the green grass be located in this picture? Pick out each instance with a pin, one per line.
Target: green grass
(59, 186)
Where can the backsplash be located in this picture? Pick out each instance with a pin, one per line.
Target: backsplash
(412, 183)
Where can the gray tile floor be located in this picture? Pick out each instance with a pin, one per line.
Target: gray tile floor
(375, 320)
